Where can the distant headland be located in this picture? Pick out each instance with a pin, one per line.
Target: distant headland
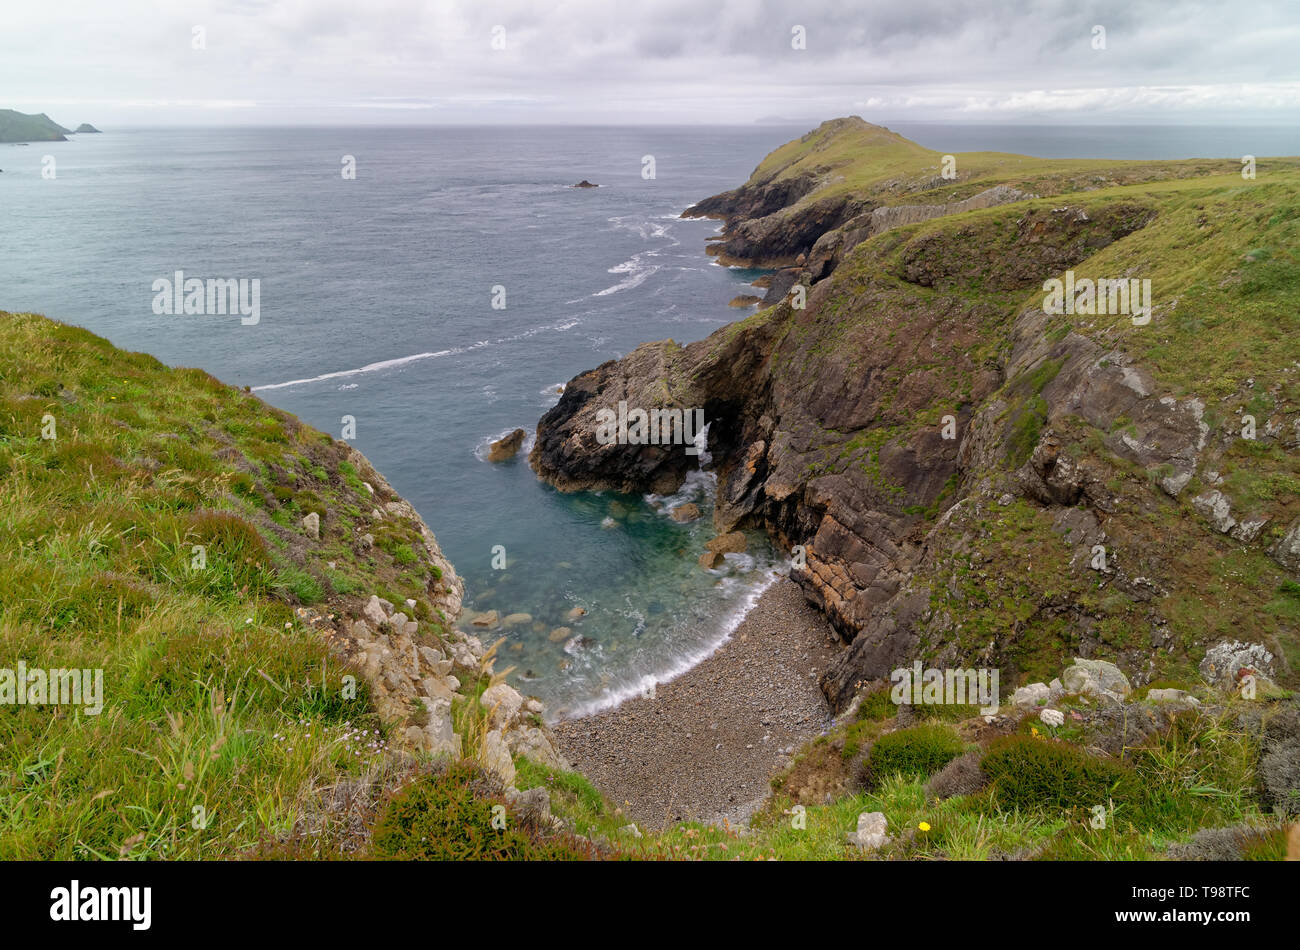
(20, 127)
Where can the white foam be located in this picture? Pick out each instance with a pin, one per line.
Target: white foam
(684, 663)
(560, 327)
(368, 368)
(485, 444)
(638, 273)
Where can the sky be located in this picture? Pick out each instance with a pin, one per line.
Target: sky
(246, 62)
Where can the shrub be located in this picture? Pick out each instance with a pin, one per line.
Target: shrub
(1237, 843)
(961, 776)
(447, 815)
(918, 751)
(1279, 763)
(1032, 772)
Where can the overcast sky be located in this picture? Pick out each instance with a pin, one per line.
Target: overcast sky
(133, 62)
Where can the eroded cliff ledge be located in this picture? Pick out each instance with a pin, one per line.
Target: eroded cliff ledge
(976, 481)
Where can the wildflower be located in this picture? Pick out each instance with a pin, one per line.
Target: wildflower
(924, 826)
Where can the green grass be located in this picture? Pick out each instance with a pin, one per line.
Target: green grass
(217, 696)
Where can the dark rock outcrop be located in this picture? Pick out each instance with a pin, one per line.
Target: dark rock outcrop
(930, 440)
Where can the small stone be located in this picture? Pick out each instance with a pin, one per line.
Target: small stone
(559, 634)
(311, 523)
(374, 611)
(1034, 694)
(1178, 697)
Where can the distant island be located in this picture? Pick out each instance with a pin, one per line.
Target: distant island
(20, 127)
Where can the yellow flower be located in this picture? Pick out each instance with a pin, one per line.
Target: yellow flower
(924, 826)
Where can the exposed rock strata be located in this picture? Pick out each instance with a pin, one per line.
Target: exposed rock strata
(913, 409)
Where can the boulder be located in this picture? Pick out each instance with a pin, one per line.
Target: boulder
(495, 757)
(436, 689)
(1035, 694)
(489, 618)
(506, 448)
(1096, 678)
(311, 524)
(462, 657)
(1225, 663)
(1287, 551)
(684, 513)
(374, 612)
(514, 620)
(710, 559)
(732, 542)
(502, 702)
(533, 743)
(872, 832)
(440, 737)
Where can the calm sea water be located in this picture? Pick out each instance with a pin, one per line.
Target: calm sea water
(376, 302)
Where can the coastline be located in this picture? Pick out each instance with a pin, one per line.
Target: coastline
(706, 744)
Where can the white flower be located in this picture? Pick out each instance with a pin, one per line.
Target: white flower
(1052, 717)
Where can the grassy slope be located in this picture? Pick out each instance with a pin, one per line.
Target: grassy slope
(1224, 258)
(218, 694)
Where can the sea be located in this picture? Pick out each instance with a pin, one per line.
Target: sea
(440, 298)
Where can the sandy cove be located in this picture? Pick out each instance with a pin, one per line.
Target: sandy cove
(707, 743)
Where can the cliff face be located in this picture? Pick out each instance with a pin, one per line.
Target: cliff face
(951, 457)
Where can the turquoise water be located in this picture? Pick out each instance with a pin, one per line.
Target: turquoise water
(376, 303)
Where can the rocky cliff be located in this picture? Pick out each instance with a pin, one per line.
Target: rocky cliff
(971, 478)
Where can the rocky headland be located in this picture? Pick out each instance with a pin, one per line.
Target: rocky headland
(951, 458)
